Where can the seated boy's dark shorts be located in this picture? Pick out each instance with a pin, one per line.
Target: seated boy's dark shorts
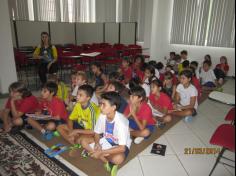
(209, 84)
(126, 152)
(134, 126)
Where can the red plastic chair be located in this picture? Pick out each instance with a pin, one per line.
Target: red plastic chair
(231, 115)
(224, 136)
(135, 50)
(26, 68)
(66, 63)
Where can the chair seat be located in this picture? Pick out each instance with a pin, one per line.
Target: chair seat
(230, 115)
(224, 136)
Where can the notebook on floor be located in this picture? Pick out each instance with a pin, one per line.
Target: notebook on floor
(158, 149)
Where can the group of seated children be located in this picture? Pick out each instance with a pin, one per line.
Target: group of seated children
(103, 115)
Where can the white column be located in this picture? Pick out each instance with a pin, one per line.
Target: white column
(160, 35)
(148, 24)
(7, 62)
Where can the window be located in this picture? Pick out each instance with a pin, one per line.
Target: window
(204, 23)
(45, 10)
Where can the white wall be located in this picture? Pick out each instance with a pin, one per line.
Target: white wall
(148, 25)
(62, 33)
(29, 32)
(127, 33)
(89, 33)
(7, 63)
(112, 33)
(160, 38)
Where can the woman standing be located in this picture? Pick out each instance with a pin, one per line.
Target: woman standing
(47, 53)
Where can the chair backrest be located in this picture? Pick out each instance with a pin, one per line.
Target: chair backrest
(224, 136)
(20, 58)
(230, 115)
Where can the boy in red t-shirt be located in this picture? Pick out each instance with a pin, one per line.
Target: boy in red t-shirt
(139, 113)
(161, 103)
(52, 106)
(20, 102)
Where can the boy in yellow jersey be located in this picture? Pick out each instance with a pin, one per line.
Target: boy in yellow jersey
(83, 118)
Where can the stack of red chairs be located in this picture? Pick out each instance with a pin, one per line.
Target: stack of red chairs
(111, 57)
(95, 46)
(105, 45)
(135, 50)
(22, 65)
(120, 48)
(86, 47)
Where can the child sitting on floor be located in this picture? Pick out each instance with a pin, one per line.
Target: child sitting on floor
(81, 79)
(221, 70)
(169, 85)
(125, 70)
(116, 86)
(83, 118)
(115, 130)
(186, 97)
(20, 102)
(52, 106)
(137, 67)
(160, 103)
(196, 82)
(149, 74)
(207, 77)
(194, 64)
(139, 113)
(62, 90)
(100, 77)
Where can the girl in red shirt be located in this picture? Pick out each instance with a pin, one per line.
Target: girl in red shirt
(20, 102)
(125, 71)
(160, 103)
(137, 65)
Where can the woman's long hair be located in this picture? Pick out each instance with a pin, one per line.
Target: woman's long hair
(49, 39)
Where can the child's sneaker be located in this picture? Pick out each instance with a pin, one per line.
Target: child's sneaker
(114, 170)
(188, 119)
(161, 125)
(56, 133)
(84, 154)
(138, 140)
(108, 166)
(48, 135)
